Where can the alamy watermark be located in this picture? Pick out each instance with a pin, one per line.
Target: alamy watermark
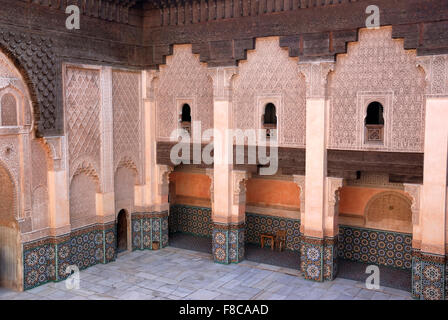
(373, 20)
(74, 19)
(74, 278)
(373, 280)
(221, 145)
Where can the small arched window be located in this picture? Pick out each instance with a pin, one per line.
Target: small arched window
(270, 116)
(185, 118)
(186, 113)
(269, 119)
(374, 122)
(8, 107)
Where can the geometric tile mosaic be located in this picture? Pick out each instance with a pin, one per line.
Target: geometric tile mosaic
(428, 276)
(149, 230)
(47, 259)
(228, 243)
(190, 219)
(391, 249)
(257, 224)
(318, 258)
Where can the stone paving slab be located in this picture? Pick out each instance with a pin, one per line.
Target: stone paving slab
(174, 274)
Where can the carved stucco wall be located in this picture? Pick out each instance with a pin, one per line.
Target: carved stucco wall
(23, 155)
(7, 198)
(39, 167)
(9, 240)
(9, 156)
(83, 109)
(183, 77)
(436, 70)
(270, 72)
(125, 179)
(8, 113)
(127, 120)
(82, 200)
(377, 67)
(83, 106)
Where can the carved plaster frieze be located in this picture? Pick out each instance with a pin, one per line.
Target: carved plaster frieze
(222, 81)
(239, 179)
(316, 76)
(436, 74)
(413, 191)
(56, 146)
(209, 172)
(164, 173)
(300, 182)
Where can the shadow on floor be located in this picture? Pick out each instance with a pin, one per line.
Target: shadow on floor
(389, 277)
(285, 259)
(190, 242)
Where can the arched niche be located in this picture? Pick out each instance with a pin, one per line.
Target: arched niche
(389, 210)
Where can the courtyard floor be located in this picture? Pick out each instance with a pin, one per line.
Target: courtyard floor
(174, 273)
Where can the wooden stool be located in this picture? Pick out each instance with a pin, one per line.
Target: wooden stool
(264, 236)
(280, 239)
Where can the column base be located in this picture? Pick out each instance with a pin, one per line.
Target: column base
(228, 243)
(319, 258)
(149, 230)
(428, 276)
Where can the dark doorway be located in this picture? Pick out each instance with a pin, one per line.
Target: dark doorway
(122, 231)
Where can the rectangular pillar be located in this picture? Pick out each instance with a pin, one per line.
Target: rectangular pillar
(429, 260)
(318, 252)
(228, 196)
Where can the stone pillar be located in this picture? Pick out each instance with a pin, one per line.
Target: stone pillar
(319, 228)
(331, 227)
(429, 259)
(145, 194)
(414, 192)
(105, 201)
(228, 236)
(228, 203)
(58, 187)
(149, 224)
